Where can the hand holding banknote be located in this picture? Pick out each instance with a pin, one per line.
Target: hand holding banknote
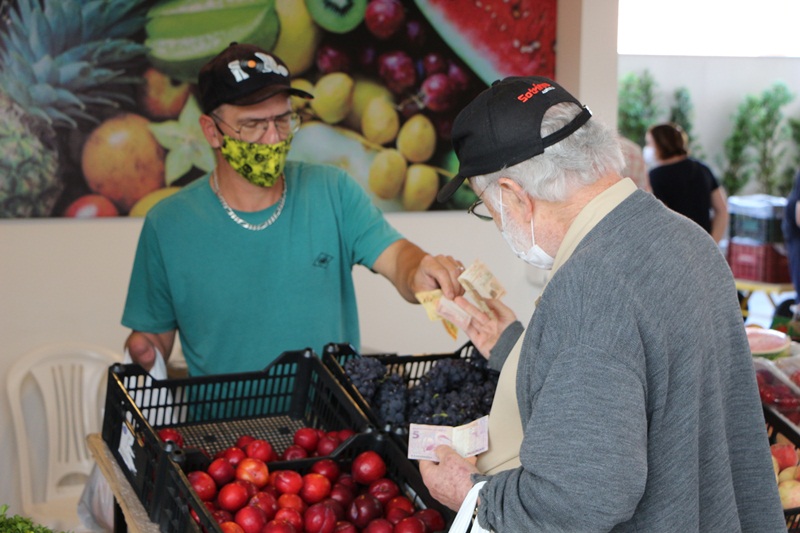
(483, 329)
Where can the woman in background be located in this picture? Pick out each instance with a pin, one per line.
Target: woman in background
(683, 184)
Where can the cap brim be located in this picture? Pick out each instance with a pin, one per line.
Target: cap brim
(269, 92)
(450, 188)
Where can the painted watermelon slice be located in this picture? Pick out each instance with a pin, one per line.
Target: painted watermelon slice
(498, 38)
(768, 343)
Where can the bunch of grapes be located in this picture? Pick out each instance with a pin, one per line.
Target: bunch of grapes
(384, 390)
(453, 392)
(365, 373)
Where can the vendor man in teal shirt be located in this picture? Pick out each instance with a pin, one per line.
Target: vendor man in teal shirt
(256, 258)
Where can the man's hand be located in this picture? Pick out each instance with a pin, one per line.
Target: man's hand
(448, 480)
(484, 329)
(142, 347)
(438, 272)
(411, 270)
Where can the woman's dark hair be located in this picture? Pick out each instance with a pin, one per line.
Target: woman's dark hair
(669, 139)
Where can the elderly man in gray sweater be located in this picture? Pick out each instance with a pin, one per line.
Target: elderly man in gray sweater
(632, 403)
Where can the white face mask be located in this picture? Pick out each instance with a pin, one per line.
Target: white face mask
(649, 155)
(534, 255)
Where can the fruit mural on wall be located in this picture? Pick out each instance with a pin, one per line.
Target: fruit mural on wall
(98, 115)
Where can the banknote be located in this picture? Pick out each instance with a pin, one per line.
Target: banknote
(429, 299)
(468, 440)
(479, 279)
(449, 310)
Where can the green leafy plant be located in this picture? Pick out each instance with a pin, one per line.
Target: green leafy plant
(681, 112)
(638, 106)
(757, 147)
(19, 524)
(791, 171)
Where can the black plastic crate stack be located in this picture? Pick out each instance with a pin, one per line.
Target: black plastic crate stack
(180, 501)
(212, 412)
(776, 424)
(755, 248)
(409, 367)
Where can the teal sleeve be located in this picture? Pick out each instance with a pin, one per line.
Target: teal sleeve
(149, 306)
(364, 225)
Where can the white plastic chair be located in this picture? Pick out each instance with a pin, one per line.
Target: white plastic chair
(69, 379)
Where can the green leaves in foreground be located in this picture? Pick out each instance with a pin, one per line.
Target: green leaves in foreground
(19, 524)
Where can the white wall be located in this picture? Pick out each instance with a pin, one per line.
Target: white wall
(66, 279)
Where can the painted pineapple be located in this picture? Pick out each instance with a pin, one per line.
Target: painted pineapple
(59, 60)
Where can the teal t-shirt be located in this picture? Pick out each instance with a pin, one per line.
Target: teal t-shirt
(240, 298)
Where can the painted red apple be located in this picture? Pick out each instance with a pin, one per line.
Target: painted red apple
(91, 206)
(254, 471)
(306, 438)
(316, 488)
(171, 434)
(203, 484)
(367, 467)
(250, 518)
(162, 97)
(232, 497)
(221, 470)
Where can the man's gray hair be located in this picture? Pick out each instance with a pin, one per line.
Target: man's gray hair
(580, 159)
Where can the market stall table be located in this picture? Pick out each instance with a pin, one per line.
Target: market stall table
(747, 287)
(134, 516)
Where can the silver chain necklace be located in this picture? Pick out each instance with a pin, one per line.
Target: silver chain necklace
(243, 223)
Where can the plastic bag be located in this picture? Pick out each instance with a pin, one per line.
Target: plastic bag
(96, 505)
(465, 520)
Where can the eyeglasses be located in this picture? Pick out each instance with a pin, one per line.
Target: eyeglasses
(479, 209)
(253, 130)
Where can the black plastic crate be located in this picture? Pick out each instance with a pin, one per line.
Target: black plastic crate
(777, 424)
(761, 230)
(180, 501)
(409, 367)
(211, 412)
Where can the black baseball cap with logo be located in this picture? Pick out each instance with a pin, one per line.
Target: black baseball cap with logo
(501, 127)
(243, 74)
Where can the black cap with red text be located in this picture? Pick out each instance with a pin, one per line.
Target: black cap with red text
(501, 127)
(243, 74)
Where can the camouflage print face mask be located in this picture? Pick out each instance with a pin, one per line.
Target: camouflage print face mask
(260, 164)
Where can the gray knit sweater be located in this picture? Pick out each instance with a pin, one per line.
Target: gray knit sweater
(637, 393)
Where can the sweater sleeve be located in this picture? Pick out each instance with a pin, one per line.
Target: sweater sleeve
(584, 453)
(502, 348)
